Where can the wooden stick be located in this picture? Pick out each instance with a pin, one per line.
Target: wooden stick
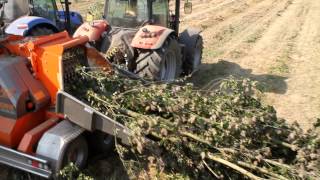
(196, 138)
(208, 167)
(272, 162)
(261, 170)
(275, 163)
(284, 144)
(234, 166)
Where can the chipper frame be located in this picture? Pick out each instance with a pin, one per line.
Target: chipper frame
(41, 126)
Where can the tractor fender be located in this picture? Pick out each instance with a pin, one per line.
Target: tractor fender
(54, 142)
(21, 26)
(151, 37)
(189, 37)
(93, 30)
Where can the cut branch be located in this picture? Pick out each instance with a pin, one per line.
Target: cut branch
(234, 166)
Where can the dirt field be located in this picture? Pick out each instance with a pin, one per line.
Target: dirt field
(275, 42)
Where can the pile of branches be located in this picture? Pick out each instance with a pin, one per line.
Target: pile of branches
(179, 132)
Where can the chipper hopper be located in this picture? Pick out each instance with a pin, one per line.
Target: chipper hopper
(42, 128)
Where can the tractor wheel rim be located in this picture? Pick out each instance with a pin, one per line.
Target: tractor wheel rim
(168, 67)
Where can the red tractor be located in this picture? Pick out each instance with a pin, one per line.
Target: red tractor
(144, 36)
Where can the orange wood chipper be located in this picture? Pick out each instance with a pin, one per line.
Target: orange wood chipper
(42, 128)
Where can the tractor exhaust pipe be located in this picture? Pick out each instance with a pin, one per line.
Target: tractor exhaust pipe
(177, 18)
(67, 15)
(150, 11)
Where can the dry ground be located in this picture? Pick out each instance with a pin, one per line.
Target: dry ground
(276, 42)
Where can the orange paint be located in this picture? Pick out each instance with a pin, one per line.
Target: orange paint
(31, 138)
(45, 54)
(12, 130)
(96, 58)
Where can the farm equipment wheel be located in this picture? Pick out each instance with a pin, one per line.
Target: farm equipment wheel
(40, 31)
(194, 60)
(193, 50)
(163, 64)
(102, 142)
(76, 153)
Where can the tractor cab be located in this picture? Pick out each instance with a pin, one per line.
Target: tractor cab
(46, 9)
(13, 9)
(64, 19)
(137, 13)
(37, 17)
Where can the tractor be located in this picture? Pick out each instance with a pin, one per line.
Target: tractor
(37, 17)
(143, 36)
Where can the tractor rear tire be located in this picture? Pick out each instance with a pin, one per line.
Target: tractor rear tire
(40, 31)
(164, 64)
(193, 50)
(194, 56)
(76, 153)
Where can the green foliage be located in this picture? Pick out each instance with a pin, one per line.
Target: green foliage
(71, 172)
(179, 132)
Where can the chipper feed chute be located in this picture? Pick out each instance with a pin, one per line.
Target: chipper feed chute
(53, 58)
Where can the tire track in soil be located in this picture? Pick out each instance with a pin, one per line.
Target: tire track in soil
(278, 46)
(275, 39)
(221, 13)
(302, 100)
(240, 44)
(235, 31)
(208, 9)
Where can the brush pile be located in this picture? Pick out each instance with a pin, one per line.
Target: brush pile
(183, 133)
